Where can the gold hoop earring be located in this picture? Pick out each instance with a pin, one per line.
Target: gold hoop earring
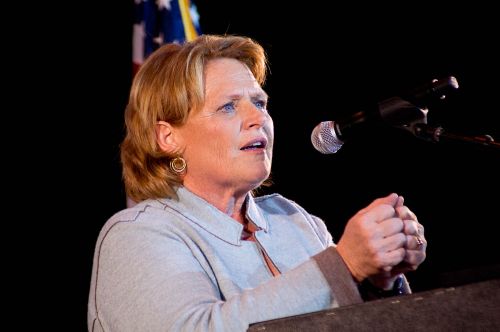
(178, 165)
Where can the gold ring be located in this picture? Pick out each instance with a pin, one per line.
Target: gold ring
(420, 242)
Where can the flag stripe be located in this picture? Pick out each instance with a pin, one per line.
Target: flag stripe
(189, 29)
(160, 22)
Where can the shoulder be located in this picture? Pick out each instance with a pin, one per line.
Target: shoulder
(143, 233)
(144, 219)
(277, 202)
(135, 214)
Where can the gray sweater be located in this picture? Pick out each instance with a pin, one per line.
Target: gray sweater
(180, 265)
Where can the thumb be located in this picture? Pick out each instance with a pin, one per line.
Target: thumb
(390, 199)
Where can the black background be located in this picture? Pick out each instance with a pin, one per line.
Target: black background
(324, 63)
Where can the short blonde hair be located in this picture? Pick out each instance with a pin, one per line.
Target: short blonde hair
(168, 86)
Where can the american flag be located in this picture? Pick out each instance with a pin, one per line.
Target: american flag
(162, 21)
(158, 22)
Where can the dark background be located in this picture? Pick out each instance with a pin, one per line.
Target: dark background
(325, 63)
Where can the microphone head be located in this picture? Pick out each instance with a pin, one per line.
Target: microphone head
(325, 139)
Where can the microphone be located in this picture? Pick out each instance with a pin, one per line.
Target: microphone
(329, 136)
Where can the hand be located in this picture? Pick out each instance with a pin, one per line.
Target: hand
(373, 241)
(416, 244)
(415, 252)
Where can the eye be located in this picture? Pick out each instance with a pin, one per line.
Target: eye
(228, 108)
(260, 104)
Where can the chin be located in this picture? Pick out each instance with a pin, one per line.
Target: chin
(257, 179)
(261, 179)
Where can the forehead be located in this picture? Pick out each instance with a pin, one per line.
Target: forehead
(225, 72)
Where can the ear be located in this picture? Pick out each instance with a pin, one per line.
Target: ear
(166, 138)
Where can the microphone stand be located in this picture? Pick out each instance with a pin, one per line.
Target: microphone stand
(438, 134)
(414, 119)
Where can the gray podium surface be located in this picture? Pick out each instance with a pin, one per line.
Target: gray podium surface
(471, 307)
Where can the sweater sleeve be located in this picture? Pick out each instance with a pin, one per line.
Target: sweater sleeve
(335, 271)
(338, 276)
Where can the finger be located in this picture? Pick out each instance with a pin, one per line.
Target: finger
(404, 212)
(410, 227)
(369, 218)
(413, 258)
(390, 199)
(403, 267)
(420, 229)
(416, 242)
(411, 261)
(400, 201)
(394, 257)
(393, 242)
(389, 227)
(380, 213)
(414, 228)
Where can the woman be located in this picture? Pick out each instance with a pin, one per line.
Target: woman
(199, 252)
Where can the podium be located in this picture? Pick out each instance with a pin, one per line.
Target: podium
(472, 307)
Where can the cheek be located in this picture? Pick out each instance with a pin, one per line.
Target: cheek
(224, 142)
(269, 130)
(216, 142)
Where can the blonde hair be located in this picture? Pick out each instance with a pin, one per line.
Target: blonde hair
(168, 86)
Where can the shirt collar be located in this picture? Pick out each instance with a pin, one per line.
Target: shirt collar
(207, 216)
(254, 213)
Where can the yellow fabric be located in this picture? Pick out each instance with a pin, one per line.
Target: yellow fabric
(189, 30)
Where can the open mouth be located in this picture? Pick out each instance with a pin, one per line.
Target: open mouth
(257, 144)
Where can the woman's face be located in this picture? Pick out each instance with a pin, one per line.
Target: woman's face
(228, 144)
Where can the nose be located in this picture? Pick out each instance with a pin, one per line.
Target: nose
(255, 116)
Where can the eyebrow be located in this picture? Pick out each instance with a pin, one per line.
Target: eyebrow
(260, 94)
